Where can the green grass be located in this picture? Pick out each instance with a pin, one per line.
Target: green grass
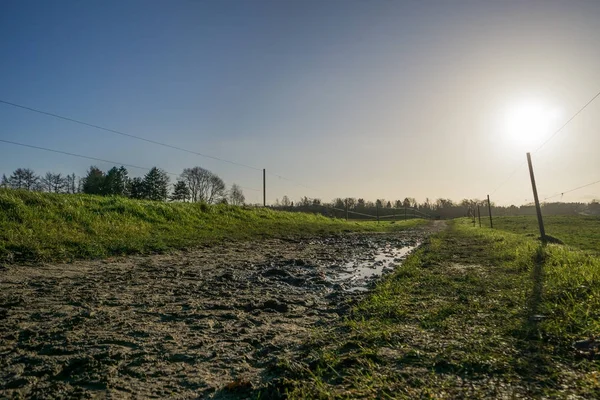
(578, 231)
(45, 227)
(475, 313)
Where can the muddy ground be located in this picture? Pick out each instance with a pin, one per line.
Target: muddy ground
(204, 323)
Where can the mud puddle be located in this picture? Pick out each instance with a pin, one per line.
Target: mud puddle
(359, 275)
(205, 323)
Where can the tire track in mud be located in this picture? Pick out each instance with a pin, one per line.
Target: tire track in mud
(194, 324)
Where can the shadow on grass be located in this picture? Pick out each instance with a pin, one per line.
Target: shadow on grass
(534, 363)
(533, 316)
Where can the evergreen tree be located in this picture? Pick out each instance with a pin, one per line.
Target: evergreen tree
(180, 192)
(156, 185)
(4, 183)
(123, 181)
(137, 189)
(94, 181)
(116, 182)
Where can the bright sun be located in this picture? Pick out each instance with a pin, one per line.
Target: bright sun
(528, 123)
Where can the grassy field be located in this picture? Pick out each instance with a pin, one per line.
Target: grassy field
(44, 227)
(475, 313)
(578, 231)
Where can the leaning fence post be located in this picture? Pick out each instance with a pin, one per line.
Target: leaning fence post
(538, 209)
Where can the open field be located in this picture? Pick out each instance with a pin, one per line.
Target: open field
(46, 227)
(475, 313)
(251, 303)
(203, 323)
(578, 231)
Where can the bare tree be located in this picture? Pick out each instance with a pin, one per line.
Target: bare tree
(338, 203)
(24, 178)
(53, 183)
(304, 202)
(71, 184)
(216, 189)
(203, 185)
(192, 177)
(285, 201)
(46, 182)
(236, 196)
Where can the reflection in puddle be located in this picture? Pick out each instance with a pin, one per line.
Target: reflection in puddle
(356, 275)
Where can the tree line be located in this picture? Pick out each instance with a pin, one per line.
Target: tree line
(439, 208)
(193, 184)
(201, 185)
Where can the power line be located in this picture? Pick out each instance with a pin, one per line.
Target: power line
(288, 179)
(79, 155)
(93, 158)
(509, 177)
(568, 121)
(572, 190)
(549, 139)
(127, 134)
(147, 140)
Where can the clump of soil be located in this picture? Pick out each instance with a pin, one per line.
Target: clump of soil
(200, 323)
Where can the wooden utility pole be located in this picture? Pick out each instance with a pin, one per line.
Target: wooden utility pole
(490, 211)
(538, 209)
(479, 215)
(377, 206)
(264, 187)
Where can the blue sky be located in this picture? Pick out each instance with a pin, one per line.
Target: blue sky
(344, 98)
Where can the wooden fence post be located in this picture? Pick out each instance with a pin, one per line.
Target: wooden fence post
(538, 209)
(490, 211)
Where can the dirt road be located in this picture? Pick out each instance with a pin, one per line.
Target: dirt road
(205, 323)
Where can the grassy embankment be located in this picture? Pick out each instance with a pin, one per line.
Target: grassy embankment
(577, 231)
(475, 313)
(44, 227)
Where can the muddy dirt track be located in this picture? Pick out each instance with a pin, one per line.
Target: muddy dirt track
(194, 324)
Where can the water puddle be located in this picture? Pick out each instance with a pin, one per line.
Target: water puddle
(357, 275)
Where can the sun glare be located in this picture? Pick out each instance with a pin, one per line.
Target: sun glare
(528, 123)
